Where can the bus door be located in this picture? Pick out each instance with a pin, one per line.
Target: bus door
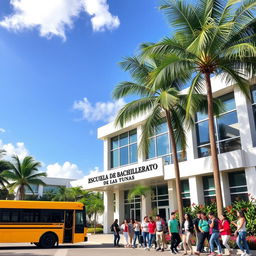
(68, 227)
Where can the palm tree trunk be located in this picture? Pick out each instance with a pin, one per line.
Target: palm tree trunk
(21, 192)
(95, 215)
(214, 153)
(176, 165)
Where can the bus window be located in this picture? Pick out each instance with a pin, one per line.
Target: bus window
(79, 228)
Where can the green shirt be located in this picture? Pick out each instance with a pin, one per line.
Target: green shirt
(203, 224)
(174, 226)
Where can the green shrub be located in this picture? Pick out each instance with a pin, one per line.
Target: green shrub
(98, 230)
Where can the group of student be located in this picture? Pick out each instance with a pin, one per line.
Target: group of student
(157, 231)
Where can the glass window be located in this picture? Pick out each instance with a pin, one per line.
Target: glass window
(124, 149)
(114, 143)
(226, 125)
(203, 132)
(185, 192)
(114, 158)
(160, 196)
(162, 143)
(132, 208)
(159, 145)
(238, 186)
(133, 153)
(50, 188)
(209, 189)
(124, 139)
(124, 156)
(34, 189)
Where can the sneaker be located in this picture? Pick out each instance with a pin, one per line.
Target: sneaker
(158, 249)
(197, 253)
(176, 250)
(173, 252)
(243, 254)
(162, 250)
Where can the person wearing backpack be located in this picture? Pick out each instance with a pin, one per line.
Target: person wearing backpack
(116, 230)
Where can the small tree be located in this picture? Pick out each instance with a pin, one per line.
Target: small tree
(138, 190)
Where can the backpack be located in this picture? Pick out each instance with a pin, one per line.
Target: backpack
(112, 227)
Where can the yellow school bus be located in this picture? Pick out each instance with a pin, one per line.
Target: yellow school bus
(44, 224)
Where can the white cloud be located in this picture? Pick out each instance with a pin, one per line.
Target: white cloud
(2, 130)
(53, 17)
(100, 111)
(67, 170)
(83, 181)
(18, 149)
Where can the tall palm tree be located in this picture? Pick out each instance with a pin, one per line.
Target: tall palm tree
(212, 37)
(23, 174)
(159, 99)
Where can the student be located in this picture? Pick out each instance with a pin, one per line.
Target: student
(131, 232)
(152, 232)
(136, 227)
(203, 227)
(215, 234)
(241, 233)
(187, 231)
(115, 228)
(195, 223)
(144, 230)
(125, 230)
(173, 227)
(225, 231)
(159, 233)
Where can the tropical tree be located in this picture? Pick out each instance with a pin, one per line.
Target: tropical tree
(64, 194)
(212, 38)
(94, 206)
(4, 166)
(138, 190)
(22, 174)
(158, 99)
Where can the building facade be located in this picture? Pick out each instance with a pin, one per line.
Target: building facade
(52, 185)
(125, 167)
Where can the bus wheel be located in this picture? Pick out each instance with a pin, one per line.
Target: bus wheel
(48, 240)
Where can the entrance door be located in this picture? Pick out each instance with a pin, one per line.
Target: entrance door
(135, 214)
(164, 212)
(68, 228)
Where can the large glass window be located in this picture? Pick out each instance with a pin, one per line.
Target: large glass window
(123, 149)
(253, 96)
(238, 186)
(209, 190)
(226, 129)
(160, 146)
(185, 193)
(51, 188)
(160, 196)
(132, 208)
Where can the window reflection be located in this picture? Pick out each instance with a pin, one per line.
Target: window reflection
(226, 125)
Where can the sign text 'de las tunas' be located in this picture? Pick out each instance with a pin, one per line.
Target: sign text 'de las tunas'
(149, 169)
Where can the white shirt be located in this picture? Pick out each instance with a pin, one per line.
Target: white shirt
(144, 226)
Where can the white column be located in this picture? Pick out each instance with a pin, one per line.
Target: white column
(119, 211)
(40, 190)
(106, 154)
(173, 205)
(146, 205)
(225, 189)
(250, 174)
(139, 134)
(108, 211)
(196, 190)
(191, 142)
(245, 119)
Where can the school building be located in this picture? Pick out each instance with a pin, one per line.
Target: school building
(125, 167)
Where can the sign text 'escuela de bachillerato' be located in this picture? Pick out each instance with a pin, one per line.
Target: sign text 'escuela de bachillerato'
(138, 172)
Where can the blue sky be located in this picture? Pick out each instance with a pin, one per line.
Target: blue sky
(43, 75)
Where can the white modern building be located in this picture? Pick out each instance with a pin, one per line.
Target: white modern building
(124, 167)
(51, 185)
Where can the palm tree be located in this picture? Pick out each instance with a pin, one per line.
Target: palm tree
(138, 191)
(212, 37)
(159, 99)
(22, 174)
(94, 206)
(64, 194)
(4, 166)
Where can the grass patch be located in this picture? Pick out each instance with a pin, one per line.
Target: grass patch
(98, 230)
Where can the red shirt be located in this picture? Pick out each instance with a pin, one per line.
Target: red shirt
(225, 225)
(125, 228)
(151, 227)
